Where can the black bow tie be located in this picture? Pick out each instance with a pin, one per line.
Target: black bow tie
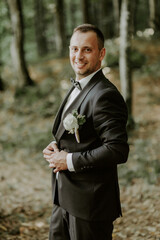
(76, 84)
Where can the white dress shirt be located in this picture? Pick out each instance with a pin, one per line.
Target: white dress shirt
(83, 82)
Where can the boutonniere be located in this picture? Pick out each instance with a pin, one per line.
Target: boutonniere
(72, 122)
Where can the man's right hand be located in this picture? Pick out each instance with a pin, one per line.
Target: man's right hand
(49, 150)
(56, 158)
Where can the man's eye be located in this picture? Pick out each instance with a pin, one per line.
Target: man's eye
(87, 50)
(74, 49)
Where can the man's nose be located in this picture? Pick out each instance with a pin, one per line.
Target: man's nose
(79, 54)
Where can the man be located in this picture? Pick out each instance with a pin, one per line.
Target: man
(85, 190)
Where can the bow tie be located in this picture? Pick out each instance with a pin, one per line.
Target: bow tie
(76, 84)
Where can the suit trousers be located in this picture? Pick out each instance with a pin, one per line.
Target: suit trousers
(64, 226)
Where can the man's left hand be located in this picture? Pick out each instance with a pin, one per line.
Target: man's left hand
(57, 160)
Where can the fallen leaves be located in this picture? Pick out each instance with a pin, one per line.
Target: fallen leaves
(25, 196)
(141, 210)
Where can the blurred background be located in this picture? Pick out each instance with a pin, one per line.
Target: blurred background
(35, 73)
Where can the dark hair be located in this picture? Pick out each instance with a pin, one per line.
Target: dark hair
(89, 27)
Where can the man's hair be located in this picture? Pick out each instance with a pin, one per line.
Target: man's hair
(91, 28)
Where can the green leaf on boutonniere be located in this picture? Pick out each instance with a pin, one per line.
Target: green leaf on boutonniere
(80, 118)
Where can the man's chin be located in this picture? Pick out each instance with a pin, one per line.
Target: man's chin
(81, 72)
(81, 75)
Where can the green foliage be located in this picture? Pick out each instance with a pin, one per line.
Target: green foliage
(73, 17)
(112, 55)
(80, 118)
(31, 117)
(137, 59)
(39, 99)
(152, 70)
(141, 165)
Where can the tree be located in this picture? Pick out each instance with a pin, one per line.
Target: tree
(154, 20)
(1, 84)
(72, 11)
(60, 23)
(116, 13)
(40, 27)
(17, 50)
(106, 18)
(85, 11)
(1, 80)
(124, 61)
(133, 11)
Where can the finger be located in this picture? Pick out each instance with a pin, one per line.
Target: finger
(48, 160)
(48, 156)
(56, 170)
(54, 146)
(44, 150)
(49, 147)
(47, 151)
(52, 165)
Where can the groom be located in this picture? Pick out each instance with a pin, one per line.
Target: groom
(91, 139)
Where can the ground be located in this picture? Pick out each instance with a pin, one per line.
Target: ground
(25, 196)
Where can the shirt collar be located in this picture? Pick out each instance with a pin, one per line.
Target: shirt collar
(83, 82)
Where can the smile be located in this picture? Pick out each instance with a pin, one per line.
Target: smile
(80, 65)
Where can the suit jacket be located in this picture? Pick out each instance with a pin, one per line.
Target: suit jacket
(92, 191)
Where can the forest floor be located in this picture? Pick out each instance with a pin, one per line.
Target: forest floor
(25, 126)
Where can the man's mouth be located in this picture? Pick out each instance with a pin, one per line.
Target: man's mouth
(80, 65)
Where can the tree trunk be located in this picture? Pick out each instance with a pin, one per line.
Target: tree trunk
(17, 50)
(154, 15)
(134, 7)
(116, 13)
(85, 11)
(124, 61)
(94, 18)
(60, 23)
(106, 18)
(1, 80)
(1, 84)
(72, 14)
(40, 27)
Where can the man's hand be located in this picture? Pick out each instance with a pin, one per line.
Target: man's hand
(56, 158)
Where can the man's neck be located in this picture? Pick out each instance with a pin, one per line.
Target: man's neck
(88, 76)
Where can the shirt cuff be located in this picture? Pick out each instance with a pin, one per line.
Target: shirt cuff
(70, 163)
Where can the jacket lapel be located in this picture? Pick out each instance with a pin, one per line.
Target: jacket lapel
(75, 105)
(58, 115)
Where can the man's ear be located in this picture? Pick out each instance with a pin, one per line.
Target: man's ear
(102, 53)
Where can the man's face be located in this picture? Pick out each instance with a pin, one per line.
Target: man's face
(85, 56)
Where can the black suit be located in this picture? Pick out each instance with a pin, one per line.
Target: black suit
(92, 191)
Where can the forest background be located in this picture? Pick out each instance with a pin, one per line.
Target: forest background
(35, 73)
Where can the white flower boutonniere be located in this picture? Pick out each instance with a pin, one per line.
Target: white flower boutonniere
(72, 122)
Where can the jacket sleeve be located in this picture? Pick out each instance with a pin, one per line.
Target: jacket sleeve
(109, 120)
